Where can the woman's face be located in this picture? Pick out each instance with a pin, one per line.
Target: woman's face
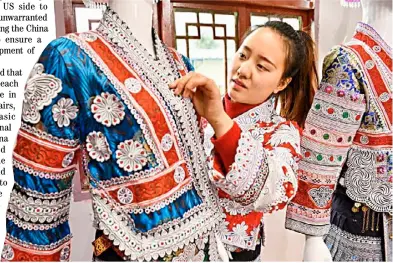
(257, 67)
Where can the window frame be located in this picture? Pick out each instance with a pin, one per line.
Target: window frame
(163, 16)
(244, 8)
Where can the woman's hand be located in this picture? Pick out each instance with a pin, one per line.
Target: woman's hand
(204, 93)
(205, 96)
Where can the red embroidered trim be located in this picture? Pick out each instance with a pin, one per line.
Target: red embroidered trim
(373, 140)
(152, 189)
(39, 154)
(28, 255)
(377, 82)
(143, 98)
(371, 43)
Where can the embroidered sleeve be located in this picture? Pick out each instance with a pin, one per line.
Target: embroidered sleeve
(44, 162)
(330, 127)
(282, 147)
(262, 173)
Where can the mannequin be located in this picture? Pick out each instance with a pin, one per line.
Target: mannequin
(315, 250)
(347, 208)
(101, 99)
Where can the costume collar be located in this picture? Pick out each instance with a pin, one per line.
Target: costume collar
(247, 114)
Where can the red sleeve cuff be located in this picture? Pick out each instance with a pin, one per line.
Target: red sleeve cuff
(227, 144)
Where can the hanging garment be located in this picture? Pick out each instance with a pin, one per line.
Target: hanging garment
(347, 146)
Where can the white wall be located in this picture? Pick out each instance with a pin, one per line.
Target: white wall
(336, 25)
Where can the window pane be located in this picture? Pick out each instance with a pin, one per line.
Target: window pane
(94, 25)
(231, 50)
(181, 18)
(192, 31)
(181, 46)
(274, 18)
(82, 17)
(294, 22)
(219, 31)
(207, 56)
(258, 20)
(205, 18)
(229, 21)
(206, 32)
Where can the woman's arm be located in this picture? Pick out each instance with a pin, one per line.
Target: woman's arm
(259, 165)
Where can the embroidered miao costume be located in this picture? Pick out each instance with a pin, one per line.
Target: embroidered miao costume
(345, 177)
(255, 165)
(101, 99)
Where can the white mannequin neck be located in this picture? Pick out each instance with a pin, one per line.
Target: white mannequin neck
(378, 14)
(138, 15)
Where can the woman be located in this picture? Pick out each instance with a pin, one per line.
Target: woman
(254, 151)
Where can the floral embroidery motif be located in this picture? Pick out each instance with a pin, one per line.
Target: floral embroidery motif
(40, 89)
(286, 134)
(97, 146)
(384, 97)
(125, 196)
(377, 48)
(8, 252)
(189, 255)
(131, 156)
(107, 109)
(240, 232)
(238, 236)
(179, 175)
(369, 64)
(335, 76)
(133, 85)
(364, 139)
(321, 196)
(258, 135)
(65, 254)
(166, 142)
(64, 111)
(68, 159)
(235, 208)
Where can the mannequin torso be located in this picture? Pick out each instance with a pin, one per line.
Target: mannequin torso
(138, 16)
